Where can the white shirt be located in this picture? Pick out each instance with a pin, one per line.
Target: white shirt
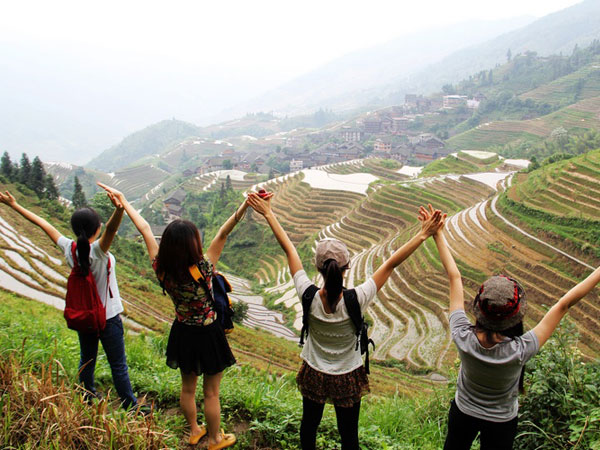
(330, 345)
(98, 266)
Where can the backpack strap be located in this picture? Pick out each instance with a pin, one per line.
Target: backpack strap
(74, 254)
(307, 298)
(361, 327)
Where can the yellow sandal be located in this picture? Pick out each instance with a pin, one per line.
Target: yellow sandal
(227, 440)
(196, 437)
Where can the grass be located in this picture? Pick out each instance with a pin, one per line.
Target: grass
(43, 353)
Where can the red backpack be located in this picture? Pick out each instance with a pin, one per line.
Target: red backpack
(84, 310)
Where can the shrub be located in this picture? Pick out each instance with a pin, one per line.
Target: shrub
(561, 408)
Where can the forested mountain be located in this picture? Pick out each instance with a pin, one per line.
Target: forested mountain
(150, 140)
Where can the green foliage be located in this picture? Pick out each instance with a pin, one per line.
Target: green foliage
(567, 144)
(240, 311)
(79, 200)
(149, 141)
(561, 408)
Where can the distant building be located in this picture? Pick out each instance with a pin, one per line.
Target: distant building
(350, 150)
(401, 153)
(454, 101)
(351, 134)
(176, 198)
(372, 126)
(381, 145)
(296, 164)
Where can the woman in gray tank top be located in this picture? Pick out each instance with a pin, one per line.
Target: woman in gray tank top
(493, 353)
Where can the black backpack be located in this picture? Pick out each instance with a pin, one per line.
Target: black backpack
(353, 307)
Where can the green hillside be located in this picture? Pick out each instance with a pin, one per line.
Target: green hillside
(561, 200)
(149, 141)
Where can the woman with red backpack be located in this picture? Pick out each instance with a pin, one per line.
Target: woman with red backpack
(197, 344)
(90, 254)
(493, 352)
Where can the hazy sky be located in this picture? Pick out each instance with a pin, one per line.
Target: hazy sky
(269, 38)
(77, 76)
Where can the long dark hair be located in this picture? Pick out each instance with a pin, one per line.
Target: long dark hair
(333, 275)
(84, 222)
(180, 247)
(512, 332)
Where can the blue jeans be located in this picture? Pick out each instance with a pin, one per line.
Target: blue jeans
(114, 347)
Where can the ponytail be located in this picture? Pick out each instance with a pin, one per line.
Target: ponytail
(83, 253)
(334, 281)
(84, 222)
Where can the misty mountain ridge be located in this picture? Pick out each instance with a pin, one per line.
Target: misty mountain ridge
(385, 73)
(348, 82)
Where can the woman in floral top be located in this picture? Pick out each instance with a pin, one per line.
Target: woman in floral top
(197, 344)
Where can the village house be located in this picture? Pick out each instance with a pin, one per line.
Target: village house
(400, 124)
(296, 165)
(401, 153)
(382, 145)
(454, 101)
(372, 125)
(350, 150)
(351, 134)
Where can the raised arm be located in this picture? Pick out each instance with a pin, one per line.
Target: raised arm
(263, 207)
(112, 226)
(457, 299)
(429, 224)
(548, 324)
(216, 246)
(9, 200)
(140, 223)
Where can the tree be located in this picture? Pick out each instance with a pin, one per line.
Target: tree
(227, 164)
(222, 192)
(490, 77)
(194, 213)
(79, 200)
(228, 185)
(50, 190)
(37, 180)
(448, 89)
(24, 170)
(6, 166)
(508, 55)
(102, 205)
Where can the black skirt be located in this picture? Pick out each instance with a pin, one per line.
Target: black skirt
(198, 349)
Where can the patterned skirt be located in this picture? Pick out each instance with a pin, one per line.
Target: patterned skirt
(341, 390)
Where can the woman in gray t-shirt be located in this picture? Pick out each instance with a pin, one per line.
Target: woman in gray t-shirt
(493, 353)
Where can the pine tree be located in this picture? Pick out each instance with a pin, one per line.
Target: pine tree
(25, 171)
(6, 166)
(228, 185)
(38, 177)
(79, 200)
(50, 190)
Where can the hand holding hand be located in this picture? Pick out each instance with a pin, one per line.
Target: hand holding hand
(261, 205)
(432, 221)
(8, 199)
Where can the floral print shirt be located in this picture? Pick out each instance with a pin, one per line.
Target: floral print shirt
(193, 305)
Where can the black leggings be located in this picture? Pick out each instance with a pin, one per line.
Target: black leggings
(347, 422)
(462, 430)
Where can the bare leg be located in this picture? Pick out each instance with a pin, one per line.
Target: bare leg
(188, 401)
(212, 407)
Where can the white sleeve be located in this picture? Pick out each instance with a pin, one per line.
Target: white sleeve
(366, 292)
(301, 281)
(65, 245)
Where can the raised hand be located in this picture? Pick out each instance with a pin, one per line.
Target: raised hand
(261, 205)
(432, 221)
(7, 199)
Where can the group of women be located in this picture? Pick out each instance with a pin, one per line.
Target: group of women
(493, 351)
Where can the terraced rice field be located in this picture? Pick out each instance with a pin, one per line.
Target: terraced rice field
(581, 115)
(563, 90)
(410, 314)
